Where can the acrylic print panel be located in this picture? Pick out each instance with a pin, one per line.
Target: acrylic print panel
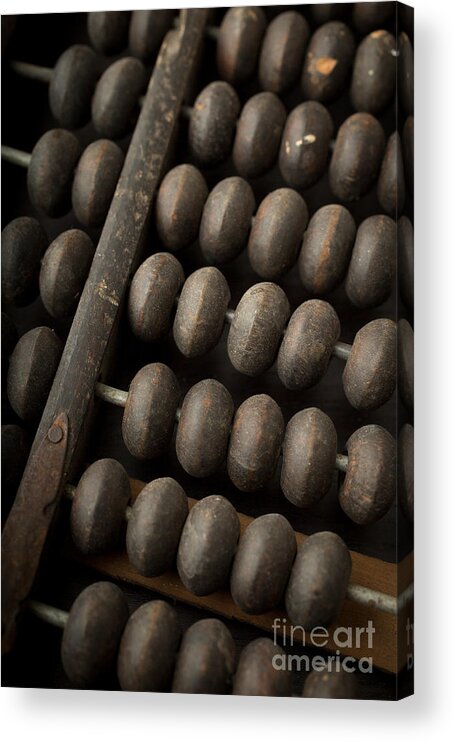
(207, 345)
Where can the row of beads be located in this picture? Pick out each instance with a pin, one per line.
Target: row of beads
(283, 51)
(36, 356)
(60, 175)
(256, 337)
(111, 31)
(204, 436)
(61, 267)
(208, 433)
(151, 655)
(74, 91)
(224, 224)
(203, 543)
(305, 142)
(331, 247)
(301, 143)
(16, 446)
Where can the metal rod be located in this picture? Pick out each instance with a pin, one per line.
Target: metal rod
(373, 598)
(111, 395)
(118, 397)
(405, 596)
(229, 316)
(48, 613)
(341, 462)
(70, 491)
(211, 31)
(342, 350)
(16, 156)
(357, 593)
(33, 71)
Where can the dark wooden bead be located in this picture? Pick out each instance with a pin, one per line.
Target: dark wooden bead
(406, 260)
(212, 123)
(374, 72)
(405, 74)
(207, 658)
(371, 272)
(51, 171)
(151, 300)
(64, 270)
(368, 16)
(405, 361)
(330, 684)
(369, 376)
(95, 181)
(308, 344)
(9, 336)
(357, 156)
(282, 52)
(72, 85)
(305, 144)
(31, 371)
(324, 12)
(257, 328)
(179, 204)
(262, 564)
(327, 62)
(391, 186)
(255, 443)
(319, 580)
(147, 30)
(309, 456)
(327, 246)
(277, 233)
(405, 470)
(256, 674)
(148, 648)
(150, 411)
(203, 429)
(207, 545)
(155, 525)
(116, 98)
(99, 505)
(408, 151)
(23, 244)
(369, 486)
(92, 633)
(108, 30)
(15, 449)
(256, 146)
(226, 220)
(201, 310)
(239, 41)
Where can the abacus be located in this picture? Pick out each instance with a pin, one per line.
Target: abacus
(217, 366)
